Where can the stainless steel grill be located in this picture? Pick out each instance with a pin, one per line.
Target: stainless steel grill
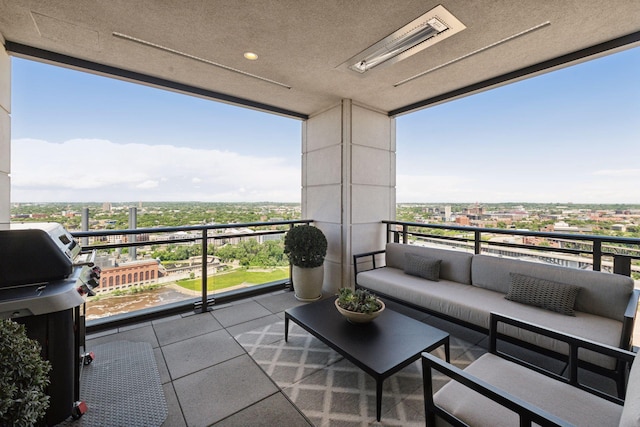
(44, 280)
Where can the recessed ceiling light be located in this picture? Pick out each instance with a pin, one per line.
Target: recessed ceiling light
(251, 56)
(196, 58)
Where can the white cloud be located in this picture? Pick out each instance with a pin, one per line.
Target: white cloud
(150, 183)
(433, 188)
(99, 170)
(505, 188)
(626, 173)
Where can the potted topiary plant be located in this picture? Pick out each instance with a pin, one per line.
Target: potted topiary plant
(306, 247)
(24, 375)
(359, 306)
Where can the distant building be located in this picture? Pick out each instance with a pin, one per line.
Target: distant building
(463, 220)
(562, 226)
(129, 274)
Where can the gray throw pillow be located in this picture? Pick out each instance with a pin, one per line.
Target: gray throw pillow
(547, 294)
(421, 266)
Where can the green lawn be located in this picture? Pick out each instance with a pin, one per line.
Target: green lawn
(237, 277)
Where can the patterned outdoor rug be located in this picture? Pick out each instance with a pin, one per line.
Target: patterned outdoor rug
(121, 387)
(329, 389)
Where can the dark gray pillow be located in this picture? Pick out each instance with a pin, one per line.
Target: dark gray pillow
(547, 294)
(422, 266)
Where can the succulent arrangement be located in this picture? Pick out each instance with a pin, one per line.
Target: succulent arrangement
(24, 375)
(359, 301)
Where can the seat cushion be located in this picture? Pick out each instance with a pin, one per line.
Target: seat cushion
(473, 305)
(455, 265)
(631, 411)
(602, 294)
(560, 399)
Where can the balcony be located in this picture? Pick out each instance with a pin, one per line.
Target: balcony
(209, 378)
(213, 368)
(348, 123)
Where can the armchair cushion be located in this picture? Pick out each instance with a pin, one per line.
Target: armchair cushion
(631, 411)
(569, 403)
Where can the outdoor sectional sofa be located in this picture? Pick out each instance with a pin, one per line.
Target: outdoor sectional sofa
(466, 288)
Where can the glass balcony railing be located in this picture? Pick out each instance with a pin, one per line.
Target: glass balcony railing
(593, 252)
(146, 271)
(150, 270)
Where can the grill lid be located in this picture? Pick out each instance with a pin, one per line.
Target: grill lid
(35, 253)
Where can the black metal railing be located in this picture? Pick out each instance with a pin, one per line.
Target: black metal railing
(205, 235)
(593, 248)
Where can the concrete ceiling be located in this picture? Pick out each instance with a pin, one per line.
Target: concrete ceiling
(301, 44)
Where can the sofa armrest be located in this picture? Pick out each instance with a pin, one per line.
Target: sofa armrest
(528, 413)
(357, 258)
(575, 343)
(629, 320)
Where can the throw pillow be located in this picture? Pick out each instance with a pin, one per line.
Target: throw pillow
(547, 294)
(421, 266)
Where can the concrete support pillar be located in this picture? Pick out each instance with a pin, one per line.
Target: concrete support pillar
(5, 135)
(348, 183)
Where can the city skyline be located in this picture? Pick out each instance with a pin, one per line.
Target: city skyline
(566, 136)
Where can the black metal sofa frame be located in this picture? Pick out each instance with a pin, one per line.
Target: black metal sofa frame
(617, 374)
(526, 412)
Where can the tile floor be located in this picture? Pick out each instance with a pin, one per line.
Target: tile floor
(209, 379)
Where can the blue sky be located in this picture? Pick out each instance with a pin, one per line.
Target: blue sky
(568, 136)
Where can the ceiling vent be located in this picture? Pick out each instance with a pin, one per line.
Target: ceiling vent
(419, 34)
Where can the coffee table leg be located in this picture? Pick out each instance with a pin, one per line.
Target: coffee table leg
(286, 328)
(378, 398)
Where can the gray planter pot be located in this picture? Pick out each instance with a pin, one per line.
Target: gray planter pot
(307, 282)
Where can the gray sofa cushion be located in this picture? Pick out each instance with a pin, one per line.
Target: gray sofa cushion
(473, 305)
(567, 402)
(455, 266)
(422, 266)
(603, 294)
(547, 294)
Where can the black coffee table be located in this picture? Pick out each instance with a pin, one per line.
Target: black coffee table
(380, 348)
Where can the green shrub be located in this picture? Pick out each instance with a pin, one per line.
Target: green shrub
(23, 377)
(306, 246)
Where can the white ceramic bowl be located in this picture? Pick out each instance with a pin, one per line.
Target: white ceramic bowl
(355, 317)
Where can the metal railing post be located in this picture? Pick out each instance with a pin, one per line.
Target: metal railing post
(204, 308)
(405, 234)
(597, 255)
(290, 265)
(622, 265)
(476, 243)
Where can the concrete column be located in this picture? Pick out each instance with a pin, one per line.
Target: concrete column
(5, 135)
(348, 183)
(85, 226)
